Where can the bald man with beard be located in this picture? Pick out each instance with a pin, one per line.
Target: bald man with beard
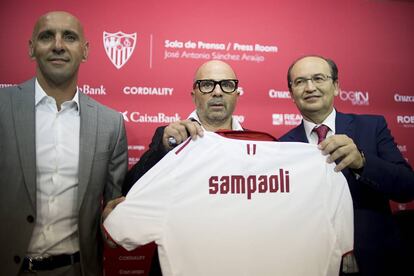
(214, 109)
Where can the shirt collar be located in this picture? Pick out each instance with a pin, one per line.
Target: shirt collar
(235, 124)
(329, 121)
(40, 95)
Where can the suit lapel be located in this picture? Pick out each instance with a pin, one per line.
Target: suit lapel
(23, 107)
(344, 124)
(87, 140)
(298, 134)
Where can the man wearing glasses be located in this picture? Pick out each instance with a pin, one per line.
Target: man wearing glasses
(365, 152)
(215, 96)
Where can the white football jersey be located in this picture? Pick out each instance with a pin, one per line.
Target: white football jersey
(219, 206)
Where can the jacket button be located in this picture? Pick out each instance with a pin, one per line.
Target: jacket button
(30, 218)
(17, 259)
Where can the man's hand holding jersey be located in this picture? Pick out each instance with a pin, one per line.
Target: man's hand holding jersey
(177, 132)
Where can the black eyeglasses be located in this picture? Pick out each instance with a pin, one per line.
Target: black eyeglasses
(208, 86)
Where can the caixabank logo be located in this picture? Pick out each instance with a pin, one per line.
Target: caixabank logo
(119, 47)
(92, 90)
(405, 120)
(291, 119)
(145, 118)
(354, 97)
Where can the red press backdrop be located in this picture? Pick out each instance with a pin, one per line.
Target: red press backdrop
(143, 55)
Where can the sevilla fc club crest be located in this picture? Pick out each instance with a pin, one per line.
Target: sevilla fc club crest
(119, 47)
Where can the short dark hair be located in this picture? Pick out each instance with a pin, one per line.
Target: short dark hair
(331, 63)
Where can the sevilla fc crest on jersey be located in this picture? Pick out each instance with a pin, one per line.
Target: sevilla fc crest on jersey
(119, 47)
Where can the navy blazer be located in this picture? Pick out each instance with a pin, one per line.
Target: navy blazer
(386, 175)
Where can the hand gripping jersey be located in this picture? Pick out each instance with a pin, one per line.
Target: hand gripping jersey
(218, 206)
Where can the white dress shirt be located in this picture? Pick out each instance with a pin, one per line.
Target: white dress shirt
(57, 166)
(309, 126)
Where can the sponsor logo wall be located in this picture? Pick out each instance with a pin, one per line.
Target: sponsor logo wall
(143, 56)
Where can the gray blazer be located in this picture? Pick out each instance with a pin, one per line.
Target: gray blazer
(102, 168)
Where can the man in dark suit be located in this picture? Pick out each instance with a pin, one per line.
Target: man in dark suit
(215, 96)
(365, 151)
(63, 155)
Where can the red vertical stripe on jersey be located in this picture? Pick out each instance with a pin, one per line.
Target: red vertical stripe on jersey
(183, 146)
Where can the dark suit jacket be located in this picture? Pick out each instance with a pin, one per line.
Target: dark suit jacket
(102, 167)
(386, 176)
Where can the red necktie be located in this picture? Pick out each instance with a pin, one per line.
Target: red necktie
(321, 130)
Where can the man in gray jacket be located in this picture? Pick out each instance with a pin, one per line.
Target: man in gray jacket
(63, 157)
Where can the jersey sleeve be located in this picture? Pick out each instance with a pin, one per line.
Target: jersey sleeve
(139, 219)
(341, 206)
